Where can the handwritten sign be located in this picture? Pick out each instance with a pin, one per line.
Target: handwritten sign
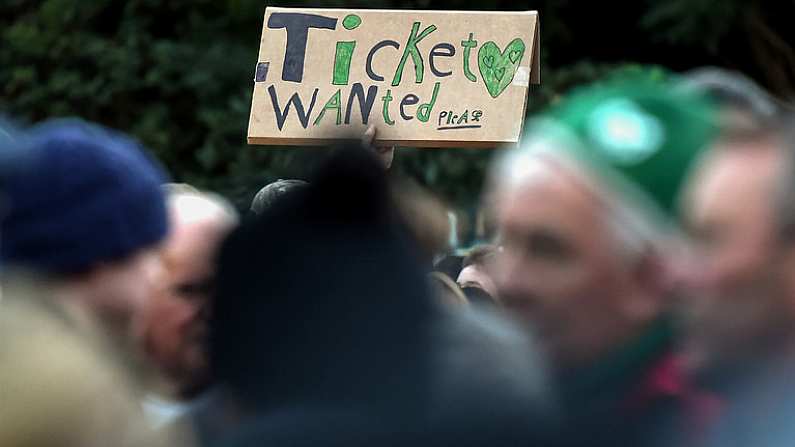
(423, 78)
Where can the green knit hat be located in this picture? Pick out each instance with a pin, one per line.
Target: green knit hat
(639, 136)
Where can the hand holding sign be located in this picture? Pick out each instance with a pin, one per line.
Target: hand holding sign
(385, 153)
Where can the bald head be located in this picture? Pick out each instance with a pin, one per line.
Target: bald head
(188, 205)
(199, 222)
(177, 319)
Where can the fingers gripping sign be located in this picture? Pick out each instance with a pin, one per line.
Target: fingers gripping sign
(385, 153)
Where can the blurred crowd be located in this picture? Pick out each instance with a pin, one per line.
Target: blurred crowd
(629, 279)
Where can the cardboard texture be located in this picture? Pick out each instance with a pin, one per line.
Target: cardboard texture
(423, 78)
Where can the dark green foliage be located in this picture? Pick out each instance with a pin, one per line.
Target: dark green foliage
(178, 74)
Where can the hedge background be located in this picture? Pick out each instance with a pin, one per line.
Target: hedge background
(178, 74)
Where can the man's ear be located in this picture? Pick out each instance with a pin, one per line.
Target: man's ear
(651, 282)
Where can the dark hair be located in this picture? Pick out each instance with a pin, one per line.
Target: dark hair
(273, 192)
(477, 296)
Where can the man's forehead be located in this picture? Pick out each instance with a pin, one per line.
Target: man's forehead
(759, 147)
(194, 241)
(550, 184)
(742, 164)
(735, 178)
(558, 207)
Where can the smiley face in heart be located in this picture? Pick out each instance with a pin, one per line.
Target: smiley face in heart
(497, 68)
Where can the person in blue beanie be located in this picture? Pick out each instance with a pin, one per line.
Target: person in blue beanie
(87, 213)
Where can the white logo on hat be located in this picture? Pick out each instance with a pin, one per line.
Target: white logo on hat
(624, 131)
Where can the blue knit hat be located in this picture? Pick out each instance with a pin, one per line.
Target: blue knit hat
(86, 195)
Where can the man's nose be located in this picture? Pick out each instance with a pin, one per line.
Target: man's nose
(202, 309)
(690, 273)
(509, 274)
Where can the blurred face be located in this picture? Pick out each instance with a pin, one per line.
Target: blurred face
(117, 293)
(176, 320)
(560, 271)
(476, 276)
(736, 281)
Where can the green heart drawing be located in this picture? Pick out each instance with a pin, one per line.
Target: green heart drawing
(497, 68)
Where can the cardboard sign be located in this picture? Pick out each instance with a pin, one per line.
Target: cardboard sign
(423, 78)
